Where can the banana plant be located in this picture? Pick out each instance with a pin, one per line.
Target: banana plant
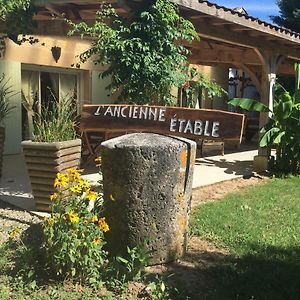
(282, 131)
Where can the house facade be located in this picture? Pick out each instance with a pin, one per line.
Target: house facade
(37, 75)
(228, 39)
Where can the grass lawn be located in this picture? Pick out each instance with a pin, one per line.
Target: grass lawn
(261, 229)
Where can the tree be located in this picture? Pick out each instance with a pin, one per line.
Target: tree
(289, 14)
(144, 54)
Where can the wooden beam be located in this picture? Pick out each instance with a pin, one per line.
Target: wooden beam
(286, 69)
(224, 56)
(234, 28)
(198, 16)
(283, 69)
(214, 11)
(235, 38)
(220, 23)
(253, 76)
(53, 9)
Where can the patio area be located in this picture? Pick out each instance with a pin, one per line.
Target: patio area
(15, 185)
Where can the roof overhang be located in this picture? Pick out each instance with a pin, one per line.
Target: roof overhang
(227, 36)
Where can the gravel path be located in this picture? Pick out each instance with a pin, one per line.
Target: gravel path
(14, 220)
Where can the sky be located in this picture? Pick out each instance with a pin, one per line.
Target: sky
(261, 9)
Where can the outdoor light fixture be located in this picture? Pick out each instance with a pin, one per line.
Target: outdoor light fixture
(56, 52)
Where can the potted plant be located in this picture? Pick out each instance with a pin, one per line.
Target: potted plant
(5, 108)
(54, 148)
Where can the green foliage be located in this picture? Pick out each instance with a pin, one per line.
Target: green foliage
(17, 17)
(74, 234)
(282, 130)
(144, 54)
(9, 6)
(56, 123)
(249, 104)
(289, 14)
(159, 289)
(131, 266)
(198, 83)
(6, 93)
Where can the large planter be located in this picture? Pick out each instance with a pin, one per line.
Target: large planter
(2, 138)
(43, 161)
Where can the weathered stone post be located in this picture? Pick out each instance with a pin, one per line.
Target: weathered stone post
(147, 181)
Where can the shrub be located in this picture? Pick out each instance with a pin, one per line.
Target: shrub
(74, 233)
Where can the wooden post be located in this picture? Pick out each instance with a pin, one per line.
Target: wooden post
(270, 63)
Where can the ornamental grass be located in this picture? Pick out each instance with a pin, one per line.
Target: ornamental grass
(56, 122)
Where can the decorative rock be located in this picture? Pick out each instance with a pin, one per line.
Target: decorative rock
(147, 181)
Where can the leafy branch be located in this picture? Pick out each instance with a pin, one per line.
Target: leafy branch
(144, 55)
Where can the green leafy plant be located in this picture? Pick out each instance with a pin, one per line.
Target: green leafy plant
(131, 266)
(197, 84)
(17, 18)
(56, 122)
(74, 233)
(283, 128)
(6, 93)
(159, 289)
(144, 54)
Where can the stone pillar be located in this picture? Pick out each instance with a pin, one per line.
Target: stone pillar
(147, 182)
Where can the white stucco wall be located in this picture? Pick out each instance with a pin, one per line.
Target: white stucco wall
(100, 95)
(13, 123)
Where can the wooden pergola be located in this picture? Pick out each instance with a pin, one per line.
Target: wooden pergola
(228, 38)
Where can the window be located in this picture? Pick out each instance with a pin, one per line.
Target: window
(40, 88)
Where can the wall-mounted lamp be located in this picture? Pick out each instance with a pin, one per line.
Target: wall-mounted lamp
(56, 53)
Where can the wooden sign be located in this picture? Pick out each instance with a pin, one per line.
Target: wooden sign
(178, 121)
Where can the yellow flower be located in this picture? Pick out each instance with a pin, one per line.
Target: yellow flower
(153, 226)
(98, 159)
(93, 219)
(74, 173)
(71, 216)
(14, 233)
(97, 240)
(61, 180)
(103, 225)
(84, 184)
(91, 196)
(76, 189)
(53, 197)
(50, 221)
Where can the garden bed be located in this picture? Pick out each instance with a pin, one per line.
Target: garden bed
(202, 255)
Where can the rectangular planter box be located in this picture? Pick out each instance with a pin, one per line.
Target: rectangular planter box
(44, 161)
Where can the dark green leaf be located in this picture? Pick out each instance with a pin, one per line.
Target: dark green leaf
(249, 104)
(268, 138)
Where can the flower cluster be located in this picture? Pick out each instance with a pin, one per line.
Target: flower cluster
(74, 233)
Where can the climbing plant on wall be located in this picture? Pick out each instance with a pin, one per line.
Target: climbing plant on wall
(144, 53)
(17, 18)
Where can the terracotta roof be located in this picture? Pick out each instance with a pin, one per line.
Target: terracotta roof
(251, 18)
(259, 24)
